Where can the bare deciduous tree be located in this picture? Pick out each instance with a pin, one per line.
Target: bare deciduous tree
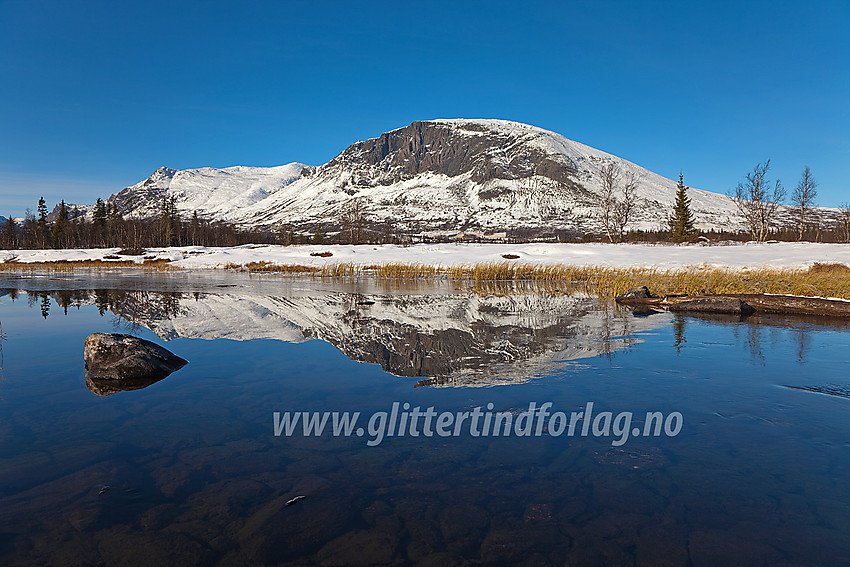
(803, 197)
(616, 212)
(757, 202)
(610, 176)
(623, 211)
(352, 219)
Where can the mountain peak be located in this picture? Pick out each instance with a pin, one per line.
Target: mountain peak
(492, 124)
(433, 176)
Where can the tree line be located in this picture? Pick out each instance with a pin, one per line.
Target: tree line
(106, 227)
(756, 199)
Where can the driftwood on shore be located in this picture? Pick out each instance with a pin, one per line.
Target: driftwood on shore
(737, 304)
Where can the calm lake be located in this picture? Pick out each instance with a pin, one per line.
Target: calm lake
(749, 466)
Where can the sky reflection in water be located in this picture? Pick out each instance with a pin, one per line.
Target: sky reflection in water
(187, 470)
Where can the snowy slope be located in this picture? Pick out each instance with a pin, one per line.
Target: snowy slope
(214, 193)
(736, 255)
(438, 176)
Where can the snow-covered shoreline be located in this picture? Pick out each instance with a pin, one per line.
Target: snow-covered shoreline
(749, 255)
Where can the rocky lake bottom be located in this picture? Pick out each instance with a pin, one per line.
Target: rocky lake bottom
(188, 470)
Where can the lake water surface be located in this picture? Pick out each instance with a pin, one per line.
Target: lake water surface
(189, 471)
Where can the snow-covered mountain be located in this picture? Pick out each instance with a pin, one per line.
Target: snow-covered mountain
(439, 175)
(214, 193)
(473, 175)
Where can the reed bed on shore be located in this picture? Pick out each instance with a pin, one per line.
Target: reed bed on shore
(270, 267)
(826, 280)
(610, 282)
(335, 270)
(69, 266)
(403, 271)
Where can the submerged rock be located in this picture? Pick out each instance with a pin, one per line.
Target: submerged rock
(830, 390)
(113, 356)
(724, 305)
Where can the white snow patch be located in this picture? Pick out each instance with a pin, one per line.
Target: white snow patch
(749, 255)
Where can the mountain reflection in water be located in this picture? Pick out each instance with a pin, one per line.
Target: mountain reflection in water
(473, 337)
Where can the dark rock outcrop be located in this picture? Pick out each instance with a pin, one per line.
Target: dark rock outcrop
(489, 158)
(441, 148)
(639, 292)
(113, 356)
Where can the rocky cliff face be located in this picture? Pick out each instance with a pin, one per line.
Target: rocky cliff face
(450, 150)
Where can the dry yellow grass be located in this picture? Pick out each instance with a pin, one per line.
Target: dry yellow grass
(818, 268)
(827, 280)
(833, 281)
(402, 271)
(692, 281)
(270, 267)
(72, 265)
(338, 270)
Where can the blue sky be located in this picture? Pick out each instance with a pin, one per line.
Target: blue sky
(94, 96)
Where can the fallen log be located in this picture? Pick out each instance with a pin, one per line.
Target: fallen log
(719, 304)
(742, 304)
(795, 305)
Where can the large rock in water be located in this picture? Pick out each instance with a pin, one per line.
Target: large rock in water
(113, 356)
(639, 292)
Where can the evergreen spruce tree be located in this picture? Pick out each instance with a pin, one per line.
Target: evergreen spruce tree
(100, 213)
(75, 227)
(10, 234)
(59, 226)
(42, 223)
(169, 221)
(42, 210)
(194, 228)
(681, 221)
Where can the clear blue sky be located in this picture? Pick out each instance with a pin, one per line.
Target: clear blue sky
(94, 96)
